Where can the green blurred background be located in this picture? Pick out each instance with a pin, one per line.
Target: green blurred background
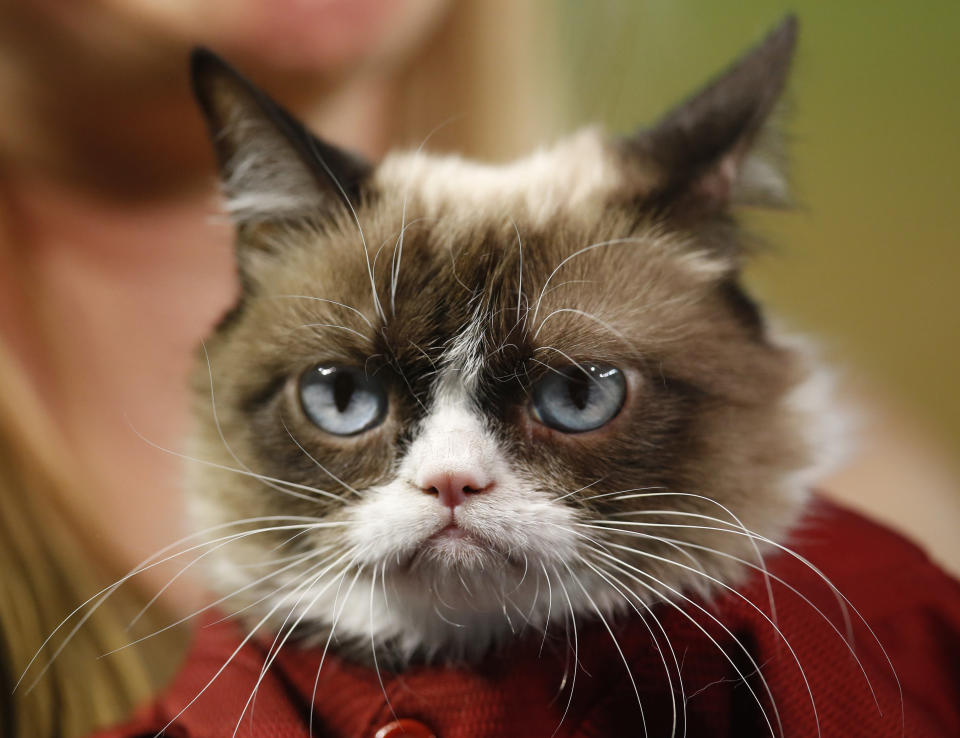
(868, 261)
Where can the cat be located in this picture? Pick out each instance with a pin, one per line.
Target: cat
(454, 397)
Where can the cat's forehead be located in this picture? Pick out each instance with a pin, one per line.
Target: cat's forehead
(482, 296)
(520, 256)
(578, 170)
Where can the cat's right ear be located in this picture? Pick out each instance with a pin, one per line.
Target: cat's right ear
(271, 167)
(718, 148)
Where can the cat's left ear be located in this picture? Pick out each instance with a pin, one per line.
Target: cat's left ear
(718, 148)
(271, 166)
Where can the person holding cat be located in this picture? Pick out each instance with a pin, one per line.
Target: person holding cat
(333, 402)
(509, 502)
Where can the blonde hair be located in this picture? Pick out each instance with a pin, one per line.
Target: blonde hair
(49, 567)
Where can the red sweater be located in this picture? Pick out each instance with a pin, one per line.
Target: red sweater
(910, 604)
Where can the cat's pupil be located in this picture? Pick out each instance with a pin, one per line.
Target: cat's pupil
(342, 400)
(343, 389)
(579, 398)
(578, 389)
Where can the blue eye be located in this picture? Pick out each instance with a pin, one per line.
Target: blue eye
(342, 400)
(581, 398)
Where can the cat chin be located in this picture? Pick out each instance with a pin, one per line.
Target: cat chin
(456, 552)
(387, 621)
(453, 523)
(469, 616)
(457, 596)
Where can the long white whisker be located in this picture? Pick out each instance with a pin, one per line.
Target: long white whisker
(616, 644)
(732, 590)
(356, 219)
(326, 646)
(584, 250)
(584, 314)
(300, 560)
(324, 469)
(575, 363)
(398, 249)
(216, 422)
(246, 639)
(626, 569)
(666, 541)
(520, 275)
(577, 491)
(756, 549)
(546, 623)
(100, 597)
(319, 299)
(276, 647)
(620, 492)
(173, 579)
(576, 651)
(334, 325)
(242, 472)
(373, 644)
(625, 592)
(799, 594)
(790, 552)
(233, 615)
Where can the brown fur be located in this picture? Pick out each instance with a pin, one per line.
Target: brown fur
(708, 408)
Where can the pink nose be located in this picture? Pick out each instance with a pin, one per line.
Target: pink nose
(452, 488)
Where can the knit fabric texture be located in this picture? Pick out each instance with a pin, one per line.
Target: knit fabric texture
(880, 658)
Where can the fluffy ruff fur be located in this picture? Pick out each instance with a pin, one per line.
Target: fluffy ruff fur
(457, 287)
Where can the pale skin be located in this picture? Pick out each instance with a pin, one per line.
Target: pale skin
(115, 263)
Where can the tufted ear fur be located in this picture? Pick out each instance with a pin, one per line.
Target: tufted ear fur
(271, 166)
(717, 148)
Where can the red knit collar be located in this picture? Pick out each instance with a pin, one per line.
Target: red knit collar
(730, 672)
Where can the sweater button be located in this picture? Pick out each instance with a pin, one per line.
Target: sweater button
(405, 728)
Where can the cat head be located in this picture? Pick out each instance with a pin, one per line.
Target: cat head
(455, 397)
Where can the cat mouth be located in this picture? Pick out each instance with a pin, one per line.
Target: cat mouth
(456, 541)
(451, 532)
(454, 546)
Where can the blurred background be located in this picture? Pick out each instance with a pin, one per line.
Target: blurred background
(113, 263)
(868, 261)
(870, 258)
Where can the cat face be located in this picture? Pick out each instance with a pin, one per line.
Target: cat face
(454, 399)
